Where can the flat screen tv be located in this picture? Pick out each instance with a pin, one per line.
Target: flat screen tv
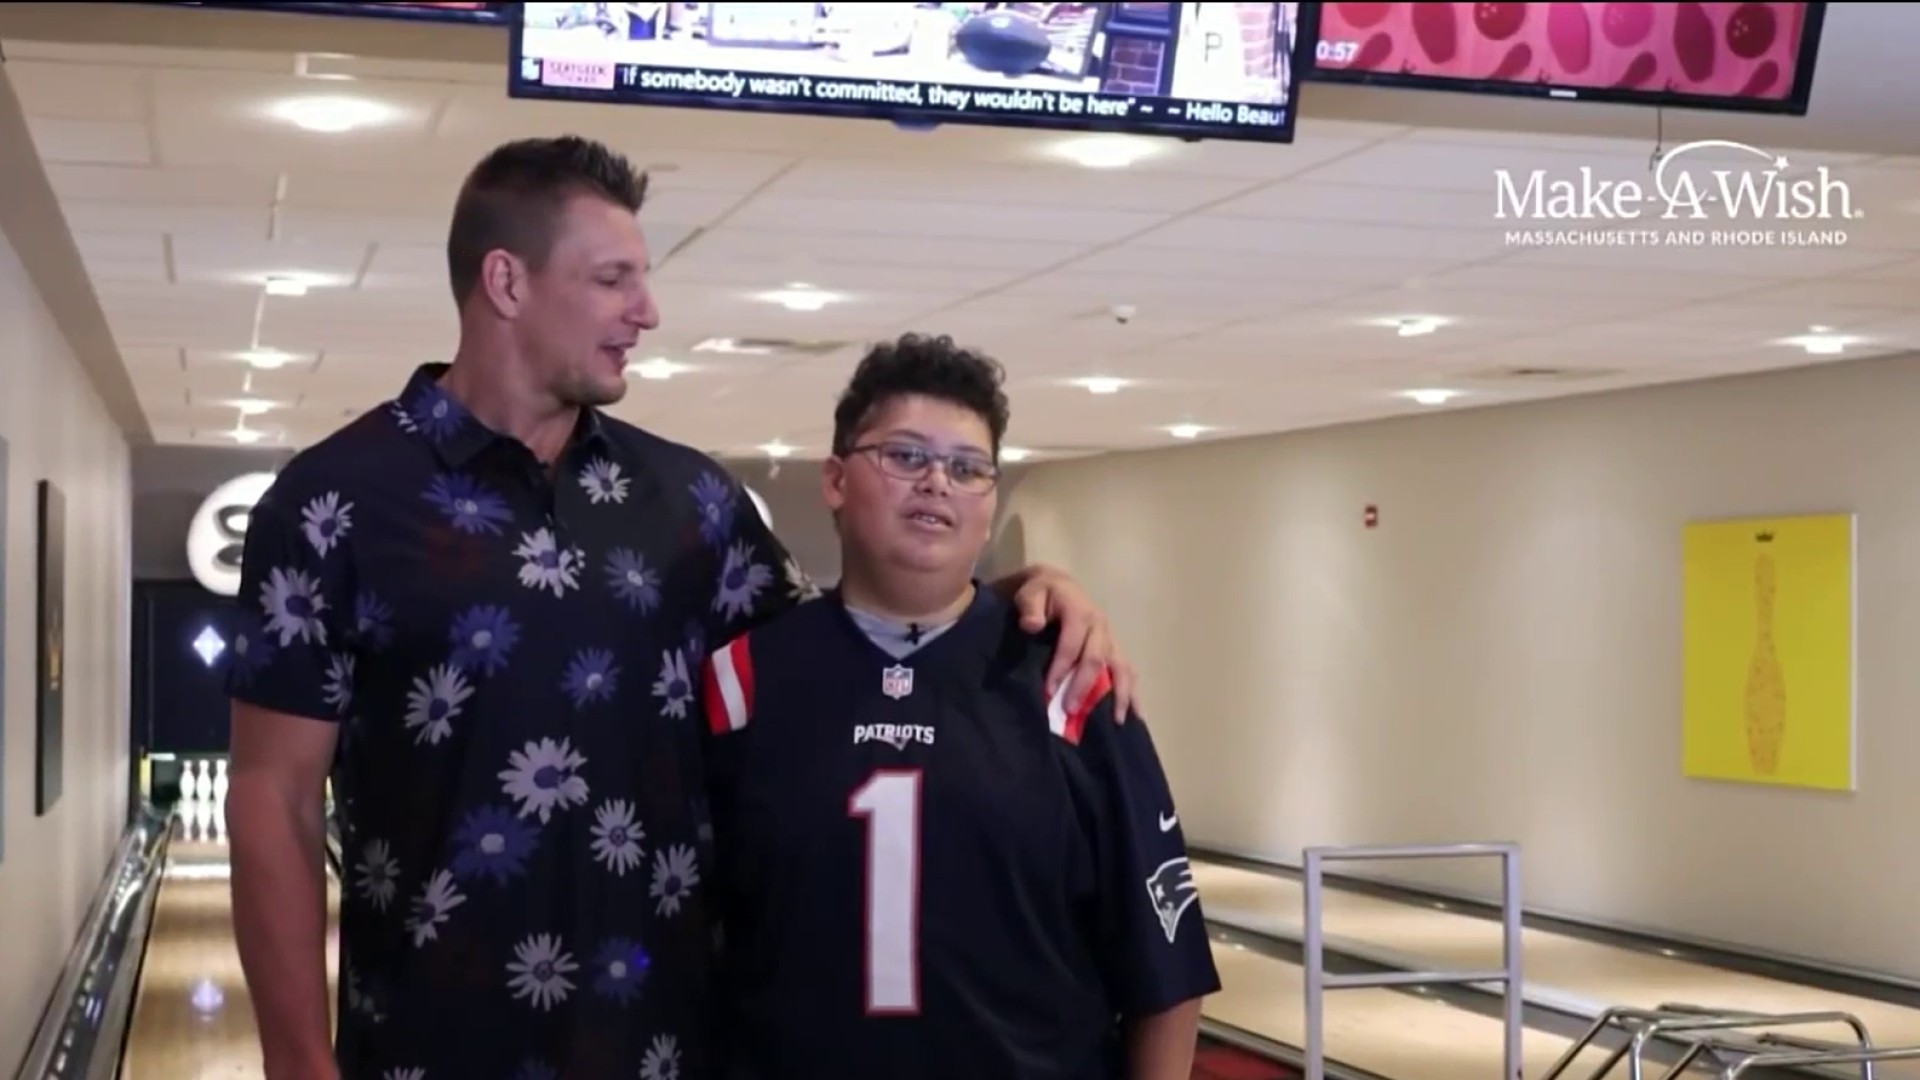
(1193, 70)
(1737, 57)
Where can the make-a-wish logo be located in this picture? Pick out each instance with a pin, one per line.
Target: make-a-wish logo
(1697, 196)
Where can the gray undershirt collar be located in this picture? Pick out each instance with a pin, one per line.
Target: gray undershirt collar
(897, 639)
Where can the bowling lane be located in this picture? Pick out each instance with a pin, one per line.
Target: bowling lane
(1390, 1033)
(192, 1016)
(1560, 971)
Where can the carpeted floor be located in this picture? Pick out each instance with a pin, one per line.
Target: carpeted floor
(1218, 1061)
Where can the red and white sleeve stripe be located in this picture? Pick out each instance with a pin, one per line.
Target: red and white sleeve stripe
(1069, 723)
(729, 678)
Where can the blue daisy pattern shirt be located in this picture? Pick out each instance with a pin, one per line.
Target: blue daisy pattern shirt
(512, 655)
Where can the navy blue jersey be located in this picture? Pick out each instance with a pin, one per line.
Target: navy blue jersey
(926, 868)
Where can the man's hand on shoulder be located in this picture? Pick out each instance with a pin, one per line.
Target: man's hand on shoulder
(1085, 649)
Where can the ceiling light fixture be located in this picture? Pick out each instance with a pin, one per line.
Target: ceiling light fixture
(1821, 341)
(1412, 325)
(253, 406)
(1432, 396)
(286, 286)
(799, 297)
(245, 435)
(332, 115)
(1187, 431)
(1013, 455)
(657, 368)
(1101, 384)
(266, 359)
(776, 449)
(731, 346)
(1106, 151)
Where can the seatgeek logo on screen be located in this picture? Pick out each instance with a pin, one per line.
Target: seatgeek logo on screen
(1709, 193)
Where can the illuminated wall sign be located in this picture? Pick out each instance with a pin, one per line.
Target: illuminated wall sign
(216, 537)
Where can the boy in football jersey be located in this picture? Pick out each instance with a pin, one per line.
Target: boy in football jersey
(925, 867)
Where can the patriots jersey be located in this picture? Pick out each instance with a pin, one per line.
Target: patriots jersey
(926, 868)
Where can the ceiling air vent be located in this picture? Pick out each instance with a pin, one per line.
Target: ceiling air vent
(1539, 374)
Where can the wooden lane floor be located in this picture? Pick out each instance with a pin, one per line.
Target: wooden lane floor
(1389, 1033)
(192, 1017)
(1559, 971)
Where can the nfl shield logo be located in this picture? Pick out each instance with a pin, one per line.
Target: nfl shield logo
(897, 681)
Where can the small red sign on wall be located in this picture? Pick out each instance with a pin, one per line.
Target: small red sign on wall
(1372, 516)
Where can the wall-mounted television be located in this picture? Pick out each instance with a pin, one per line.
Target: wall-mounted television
(485, 14)
(1193, 70)
(1738, 57)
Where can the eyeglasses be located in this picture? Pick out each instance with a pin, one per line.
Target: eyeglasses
(968, 473)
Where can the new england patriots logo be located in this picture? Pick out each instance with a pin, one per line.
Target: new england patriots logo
(1172, 891)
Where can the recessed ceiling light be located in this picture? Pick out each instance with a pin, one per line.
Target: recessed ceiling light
(1100, 384)
(799, 298)
(286, 286)
(1432, 396)
(267, 359)
(1106, 151)
(1187, 431)
(658, 368)
(253, 406)
(245, 435)
(731, 345)
(1412, 325)
(332, 114)
(776, 449)
(1821, 341)
(1015, 454)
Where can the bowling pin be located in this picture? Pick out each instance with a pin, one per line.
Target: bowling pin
(1766, 683)
(189, 786)
(219, 780)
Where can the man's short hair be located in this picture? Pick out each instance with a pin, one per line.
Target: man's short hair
(514, 197)
(926, 366)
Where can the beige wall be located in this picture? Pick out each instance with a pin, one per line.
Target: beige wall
(55, 427)
(1507, 644)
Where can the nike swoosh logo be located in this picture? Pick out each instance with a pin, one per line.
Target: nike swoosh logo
(1168, 821)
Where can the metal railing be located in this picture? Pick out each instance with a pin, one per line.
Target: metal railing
(1804, 1058)
(81, 1032)
(1708, 1027)
(1318, 981)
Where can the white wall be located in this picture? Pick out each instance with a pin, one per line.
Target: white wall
(1507, 644)
(55, 427)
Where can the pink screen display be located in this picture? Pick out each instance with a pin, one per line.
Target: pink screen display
(1739, 50)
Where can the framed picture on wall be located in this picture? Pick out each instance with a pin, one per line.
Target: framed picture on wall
(50, 670)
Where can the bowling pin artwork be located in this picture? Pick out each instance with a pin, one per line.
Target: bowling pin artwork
(1769, 658)
(1766, 683)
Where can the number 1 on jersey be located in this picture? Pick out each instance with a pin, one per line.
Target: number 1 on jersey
(889, 803)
